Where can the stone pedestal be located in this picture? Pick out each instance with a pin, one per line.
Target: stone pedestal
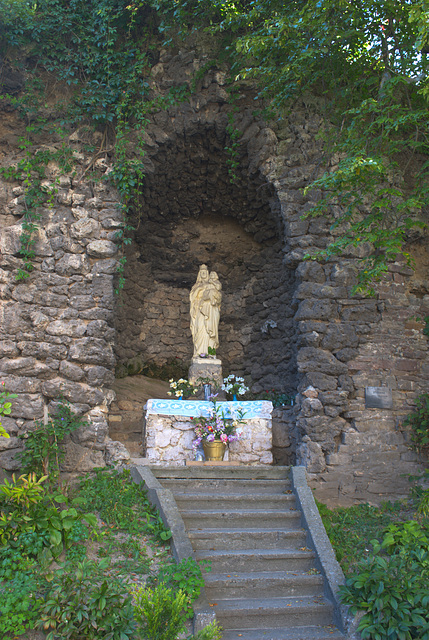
(205, 368)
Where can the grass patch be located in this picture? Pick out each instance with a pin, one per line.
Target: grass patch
(122, 504)
(351, 529)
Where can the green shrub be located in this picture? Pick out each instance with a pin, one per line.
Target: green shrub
(211, 632)
(43, 453)
(418, 420)
(409, 539)
(27, 509)
(5, 405)
(19, 604)
(19, 555)
(85, 603)
(392, 590)
(185, 577)
(159, 612)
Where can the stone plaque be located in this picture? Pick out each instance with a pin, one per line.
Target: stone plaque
(378, 398)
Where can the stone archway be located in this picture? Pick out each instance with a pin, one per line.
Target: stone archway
(191, 212)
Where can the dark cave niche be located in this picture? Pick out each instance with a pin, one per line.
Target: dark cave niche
(191, 213)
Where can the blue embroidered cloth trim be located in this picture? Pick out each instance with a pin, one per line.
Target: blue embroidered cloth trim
(195, 408)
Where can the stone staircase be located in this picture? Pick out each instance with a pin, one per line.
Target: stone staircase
(244, 522)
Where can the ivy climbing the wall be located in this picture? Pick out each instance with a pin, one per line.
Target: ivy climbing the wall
(363, 66)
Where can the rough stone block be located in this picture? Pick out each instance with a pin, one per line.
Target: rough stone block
(42, 350)
(318, 381)
(316, 309)
(92, 351)
(99, 376)
(10, 443)
(338, 398)
(367, 312)
(79, 458)
(9, 461)
(315, 360)
(410, 456)
(71, 264)
(9, 424)
(72, 391)
(28, 405)
(72, 328)
(8, 349)
(18, 384)
(311, 406)
(310, 455)
(84, 228)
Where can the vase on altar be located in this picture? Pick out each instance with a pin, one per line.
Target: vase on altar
(214, 449)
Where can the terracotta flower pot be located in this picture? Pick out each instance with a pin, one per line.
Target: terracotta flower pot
(214, 450)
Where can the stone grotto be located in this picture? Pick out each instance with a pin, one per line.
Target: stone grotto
(287, 323)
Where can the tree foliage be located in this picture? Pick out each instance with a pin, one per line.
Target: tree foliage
(365, 63)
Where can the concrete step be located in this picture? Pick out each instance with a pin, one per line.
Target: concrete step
(242, 518)
(244, 523)
(216, 472)
(234, 561)
(260, 613)
(239, 500)
(328, 632)
(226, 485)
(270, 584)
(237, 539)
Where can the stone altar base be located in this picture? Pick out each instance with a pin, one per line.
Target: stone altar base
(205, 368)
(169, 437)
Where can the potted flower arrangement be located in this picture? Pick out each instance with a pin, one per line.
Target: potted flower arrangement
(234, 386)
(216, 431)
(181, 388)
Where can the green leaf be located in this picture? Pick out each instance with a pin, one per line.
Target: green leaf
(90, 518)
(55, 538)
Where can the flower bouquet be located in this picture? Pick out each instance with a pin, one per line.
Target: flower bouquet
(216, 431)
(181, 388)
(234, 386)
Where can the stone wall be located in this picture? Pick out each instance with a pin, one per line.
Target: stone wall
(286, 322)
(57, 330)
(367, 456)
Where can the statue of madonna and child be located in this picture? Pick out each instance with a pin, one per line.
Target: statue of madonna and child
(205, 299)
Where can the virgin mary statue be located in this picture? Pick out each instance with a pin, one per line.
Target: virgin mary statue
(205, 298)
